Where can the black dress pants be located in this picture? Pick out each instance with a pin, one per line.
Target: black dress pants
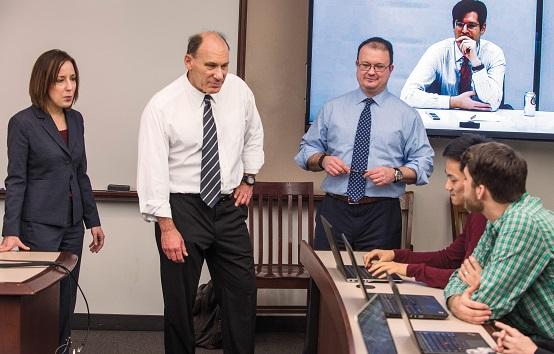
(48, 238)
(220, 236)
(366, 226)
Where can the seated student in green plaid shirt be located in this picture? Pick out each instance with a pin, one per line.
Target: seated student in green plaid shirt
(516, 250)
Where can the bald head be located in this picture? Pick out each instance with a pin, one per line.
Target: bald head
(196, 40)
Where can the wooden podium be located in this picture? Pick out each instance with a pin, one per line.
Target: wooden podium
(29, 302)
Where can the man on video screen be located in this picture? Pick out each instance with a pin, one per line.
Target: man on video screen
(464, 72)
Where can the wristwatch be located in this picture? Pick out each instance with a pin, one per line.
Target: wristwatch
(398, 175)
(320, 161)
(478, 67)
(249, 179)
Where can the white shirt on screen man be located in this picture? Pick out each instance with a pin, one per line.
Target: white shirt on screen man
(442, 61)
(172, 122)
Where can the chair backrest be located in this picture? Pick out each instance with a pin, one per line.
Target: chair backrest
(407, 207)
(458, 216)
(331, 316)
(280, 216)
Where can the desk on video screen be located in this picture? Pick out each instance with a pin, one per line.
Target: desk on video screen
(500, 124)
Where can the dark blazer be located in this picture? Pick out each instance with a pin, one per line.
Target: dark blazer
(44, 172)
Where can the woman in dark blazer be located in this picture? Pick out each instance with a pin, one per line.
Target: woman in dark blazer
(48, 192)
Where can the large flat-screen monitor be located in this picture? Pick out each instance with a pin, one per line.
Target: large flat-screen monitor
(338, 27)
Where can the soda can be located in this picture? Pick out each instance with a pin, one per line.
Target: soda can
(529, 105)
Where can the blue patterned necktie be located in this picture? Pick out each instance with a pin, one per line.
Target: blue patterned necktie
(210, 179)
(356, 181)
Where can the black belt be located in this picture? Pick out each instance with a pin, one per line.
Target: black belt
(222, 197)
(364, 200)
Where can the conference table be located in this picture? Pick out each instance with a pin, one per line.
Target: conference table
(334, 305)
(503, 123)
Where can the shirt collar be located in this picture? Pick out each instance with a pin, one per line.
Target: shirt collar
(509, 210)
(196, 95)
(379, 99)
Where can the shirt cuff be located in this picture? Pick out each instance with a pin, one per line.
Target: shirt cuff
(421, 176)
(252, 163)
(443, 102)
(411, 270)
(151, 212)
(400, 255)
(304, 155)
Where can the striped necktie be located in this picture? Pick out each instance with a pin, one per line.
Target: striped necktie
(356, 181)
(210, 179)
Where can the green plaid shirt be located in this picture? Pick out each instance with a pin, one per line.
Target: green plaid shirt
(517, 282)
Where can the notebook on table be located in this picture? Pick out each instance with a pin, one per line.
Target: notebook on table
(439, 342)
(348, 270)
(418, 306)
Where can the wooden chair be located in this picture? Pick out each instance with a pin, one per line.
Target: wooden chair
(280, 216)
(407, 207)
(328, 327)
(458, 216)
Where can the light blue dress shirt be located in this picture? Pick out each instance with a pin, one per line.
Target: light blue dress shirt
(398, 138)
(442, 62)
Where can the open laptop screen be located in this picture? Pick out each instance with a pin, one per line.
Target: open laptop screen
(333, 244)
(355, 264)
(374, 328)
(403, 313)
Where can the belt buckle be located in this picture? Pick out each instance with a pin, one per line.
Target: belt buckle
(350, 202)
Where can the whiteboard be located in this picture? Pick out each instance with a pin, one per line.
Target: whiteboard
(126, 50)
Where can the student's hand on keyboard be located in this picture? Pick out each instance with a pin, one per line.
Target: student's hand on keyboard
(380, 269)
(378, 255)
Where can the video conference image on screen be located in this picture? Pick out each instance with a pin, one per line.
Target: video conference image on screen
(522, 29)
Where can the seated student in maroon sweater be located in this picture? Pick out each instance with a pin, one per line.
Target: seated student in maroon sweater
(435, 268)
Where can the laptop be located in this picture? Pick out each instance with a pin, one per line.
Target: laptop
(435, 342)
(348, 270)
(417, 306)
(375, 329)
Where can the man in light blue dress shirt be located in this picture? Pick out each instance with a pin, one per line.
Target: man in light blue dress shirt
(435, 81)
(399, 154)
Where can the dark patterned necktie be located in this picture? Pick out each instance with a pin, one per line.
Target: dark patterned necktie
(210, 179)
(356, 181)
(465, 77)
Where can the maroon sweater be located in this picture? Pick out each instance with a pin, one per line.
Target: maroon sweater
(435, 268)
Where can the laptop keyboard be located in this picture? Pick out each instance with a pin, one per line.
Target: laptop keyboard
(439, 342)
(389, 303)
(363, 271)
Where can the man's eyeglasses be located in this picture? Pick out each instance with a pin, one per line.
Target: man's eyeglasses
(470, 25)
(379, 68)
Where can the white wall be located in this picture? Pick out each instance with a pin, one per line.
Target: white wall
(126, 50)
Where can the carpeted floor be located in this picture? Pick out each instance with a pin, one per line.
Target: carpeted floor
(150, 342)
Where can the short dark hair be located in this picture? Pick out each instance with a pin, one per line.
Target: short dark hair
(377, 43)
(499, 168)
(465, 6)
(44, 75)
(455, 149)
(196, 40)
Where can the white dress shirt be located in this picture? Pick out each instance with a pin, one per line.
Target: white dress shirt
(170, 141)
(442, 62)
